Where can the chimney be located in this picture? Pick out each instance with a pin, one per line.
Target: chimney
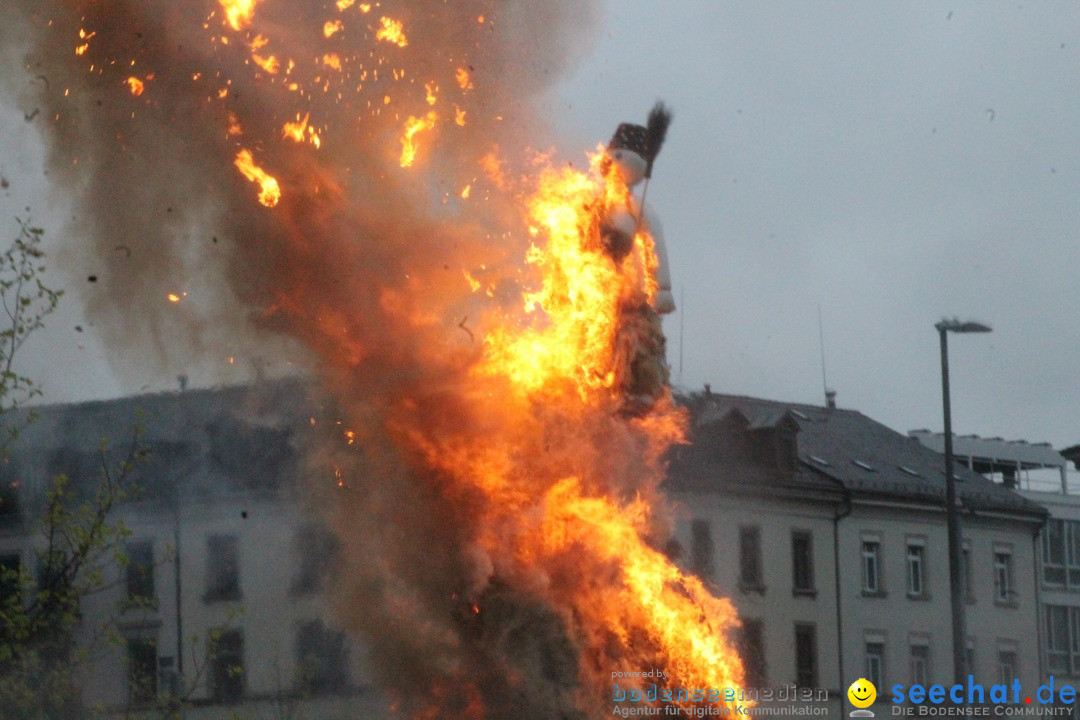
(182, 380)
(830, 399)
(708, 389)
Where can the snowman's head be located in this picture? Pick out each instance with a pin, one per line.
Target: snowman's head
(626, 153)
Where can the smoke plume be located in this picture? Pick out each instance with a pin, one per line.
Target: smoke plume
(479, 557)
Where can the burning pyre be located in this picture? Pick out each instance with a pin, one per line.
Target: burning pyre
(362, 163)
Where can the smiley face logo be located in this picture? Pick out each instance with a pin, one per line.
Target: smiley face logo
(862, 693)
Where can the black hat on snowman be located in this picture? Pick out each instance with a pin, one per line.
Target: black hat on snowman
(636, 146)
(627, 150)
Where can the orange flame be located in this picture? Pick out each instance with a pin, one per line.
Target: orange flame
(547, 502)
(269, 193)
(462, 77)
(391, 32)
(300, 131)
(238, 13)
(269, 63)
(561, 358)
(408, 142)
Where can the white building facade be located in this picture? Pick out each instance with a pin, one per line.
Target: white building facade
(222, 610)
(842, 522)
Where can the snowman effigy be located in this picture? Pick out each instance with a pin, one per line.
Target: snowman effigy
(628, 228)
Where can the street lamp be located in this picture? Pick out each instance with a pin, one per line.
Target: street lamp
(955, 541)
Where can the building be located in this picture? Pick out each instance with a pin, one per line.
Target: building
(1041, 474)
(828, 530)
(223, 600)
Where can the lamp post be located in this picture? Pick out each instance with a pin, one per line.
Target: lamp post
(955, 540)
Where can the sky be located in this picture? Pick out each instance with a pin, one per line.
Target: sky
(884, 165)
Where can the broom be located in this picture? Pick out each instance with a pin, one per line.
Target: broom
(655, 132)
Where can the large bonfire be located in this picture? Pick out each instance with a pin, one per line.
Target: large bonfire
(361, 165)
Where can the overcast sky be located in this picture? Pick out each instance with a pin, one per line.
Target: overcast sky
(892, 163)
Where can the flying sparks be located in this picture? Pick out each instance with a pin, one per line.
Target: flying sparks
(408, 139)
(391, 31)
(269, 193)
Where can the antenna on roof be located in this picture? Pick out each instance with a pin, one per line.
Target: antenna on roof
(830, 395)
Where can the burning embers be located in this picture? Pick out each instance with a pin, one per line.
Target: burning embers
(269, 192)
(478, 325)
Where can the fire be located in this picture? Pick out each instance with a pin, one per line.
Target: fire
(300, 131)
(509, 412)
(269, 193)
(391, 32)
(462, 77)
(408, 143)
(238, 13)
(269, 63)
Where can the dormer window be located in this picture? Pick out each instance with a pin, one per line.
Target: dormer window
(787, 449)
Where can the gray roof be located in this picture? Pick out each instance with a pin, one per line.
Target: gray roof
(222, 440)
(995, 450)
(864, 457)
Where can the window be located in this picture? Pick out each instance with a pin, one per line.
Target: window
(1003, 579)
(9, 499)
(140, 571)
(142, 671)
(1007, 668)
(750, 557)
(875, 662)
(1053, 552)
(802, 560)
(806, 674)
(10, 578)
(752, 651)
(787, 449)
(226, 665)
(965, 573)
(871, 562)
(222, 568)
(321, 659)
(920, 663)
(1072, 555)
(1061, 553)
(916, 570)
(701, 548)
(1063, 639)
(316, 550)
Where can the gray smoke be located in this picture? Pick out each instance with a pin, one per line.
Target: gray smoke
(360, 267)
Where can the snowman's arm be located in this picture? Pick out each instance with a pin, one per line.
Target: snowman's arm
(664, 302)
